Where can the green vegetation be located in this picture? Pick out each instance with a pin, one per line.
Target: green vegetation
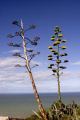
(60, 111)
(57, 56)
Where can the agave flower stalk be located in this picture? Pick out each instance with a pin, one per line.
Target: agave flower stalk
(28, 56)
(57, 55)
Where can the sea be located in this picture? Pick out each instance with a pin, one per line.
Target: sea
(23, 105)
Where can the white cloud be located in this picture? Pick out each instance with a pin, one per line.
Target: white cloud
(7, 61)
(76, 63)
(14, 51)
(42, 74)
(8, 70)
(36, 62)
(16, 80)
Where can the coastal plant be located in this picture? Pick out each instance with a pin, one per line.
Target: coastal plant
(57, 56)
(26, 44)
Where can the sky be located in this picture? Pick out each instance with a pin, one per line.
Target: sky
(46, 14)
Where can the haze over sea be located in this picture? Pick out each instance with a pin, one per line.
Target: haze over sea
(22, 105)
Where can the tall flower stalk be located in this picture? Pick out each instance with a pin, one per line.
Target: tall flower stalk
(57, 56)
(28, 55)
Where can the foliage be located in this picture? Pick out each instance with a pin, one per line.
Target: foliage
(57, 56)
(61, 111)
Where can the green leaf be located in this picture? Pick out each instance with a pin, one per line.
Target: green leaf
(56, 43)
(63, 47)
(64, 41)
(66, 61)
(62, 67)
(58, 61)
(60, 35)
(50, 67)
(53, 50)
(50, 58)
(50, 47)
(55, 53)
(54, 70)
(51, 64)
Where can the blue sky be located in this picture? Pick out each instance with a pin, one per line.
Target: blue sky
(46, 14)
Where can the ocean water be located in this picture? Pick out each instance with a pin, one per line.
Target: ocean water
(22, 105)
